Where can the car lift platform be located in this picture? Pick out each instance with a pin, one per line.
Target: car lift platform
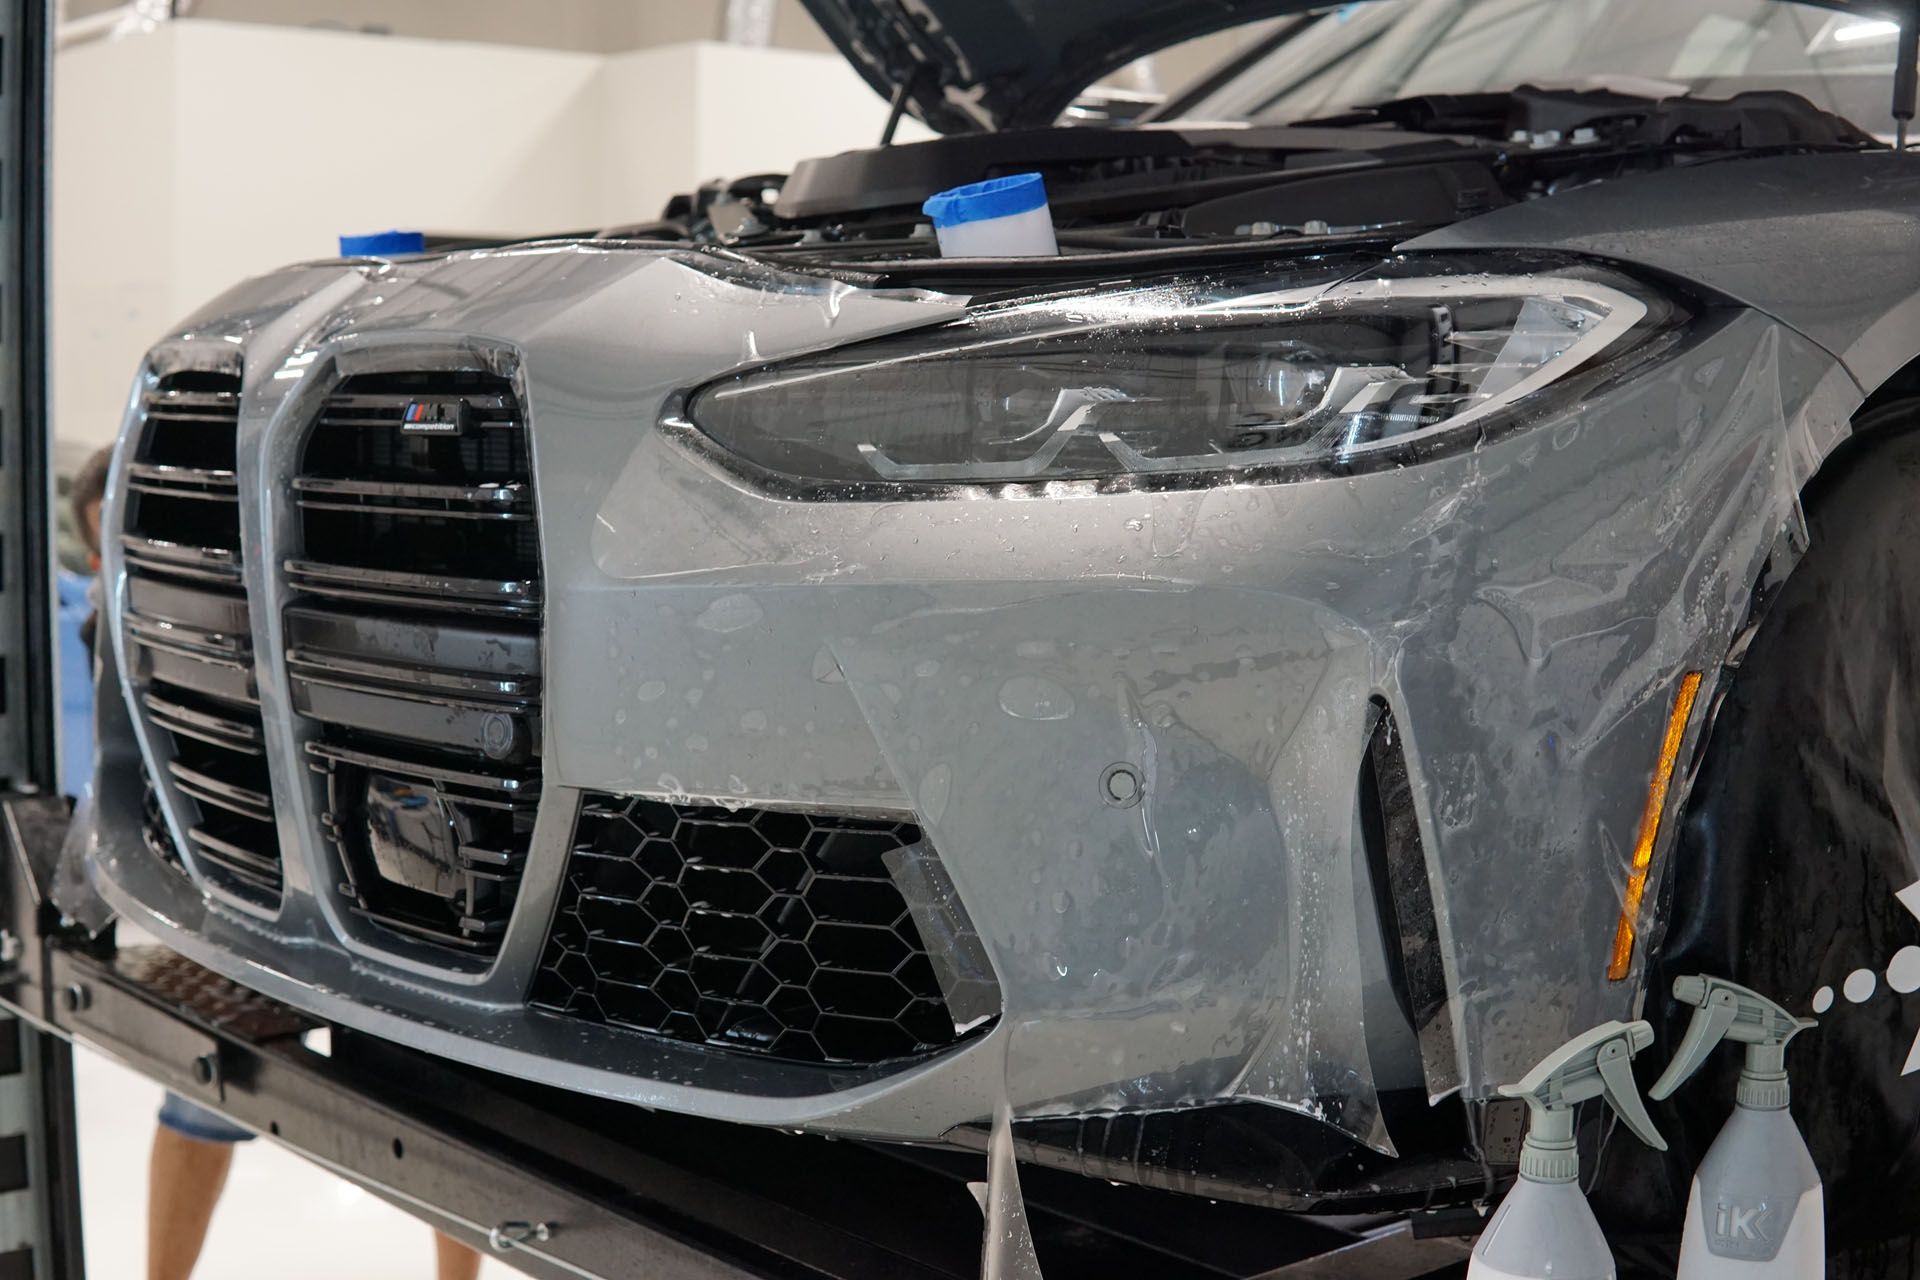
(564, 1185)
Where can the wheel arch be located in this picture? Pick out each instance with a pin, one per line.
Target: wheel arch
(1902, 386)
(1790, 850)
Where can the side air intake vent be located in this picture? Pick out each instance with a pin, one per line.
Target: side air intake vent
(192, 648)
(1403, 894)
(763, 931)
(414, 643)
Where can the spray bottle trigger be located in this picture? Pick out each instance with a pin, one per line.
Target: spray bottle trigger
(1728, 1011)
(1615, 1061)
(1710, 1024)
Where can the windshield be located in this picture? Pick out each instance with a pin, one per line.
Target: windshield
(1373, 52)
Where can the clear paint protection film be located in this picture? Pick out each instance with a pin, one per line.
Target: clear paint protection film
(1273, 660)
(1176, 892)
(1131, 708)
(1797, 872)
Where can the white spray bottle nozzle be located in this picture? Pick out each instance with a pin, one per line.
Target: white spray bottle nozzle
(1727, 1011)
(1596, 1064)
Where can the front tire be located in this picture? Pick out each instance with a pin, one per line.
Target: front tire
(1802, 826)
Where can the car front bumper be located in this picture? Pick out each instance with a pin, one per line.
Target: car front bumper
(985, 662)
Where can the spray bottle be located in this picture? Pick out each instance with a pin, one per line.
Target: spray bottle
(1756, 1211)
(1545, 1230)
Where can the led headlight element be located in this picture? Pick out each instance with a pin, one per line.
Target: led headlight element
(1188, 377)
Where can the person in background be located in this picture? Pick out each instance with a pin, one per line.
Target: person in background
(192, 1154)
(79, 599)
(192, 1147)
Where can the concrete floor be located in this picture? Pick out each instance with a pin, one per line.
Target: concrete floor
(280, 1217)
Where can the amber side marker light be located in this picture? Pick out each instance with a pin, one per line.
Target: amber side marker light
(1650, 826)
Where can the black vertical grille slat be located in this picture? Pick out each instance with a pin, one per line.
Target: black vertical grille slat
(770, 932)
(153, 824)
(192, 644)
(413, 643)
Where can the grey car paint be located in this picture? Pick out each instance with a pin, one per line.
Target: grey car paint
(1824, 243)
(1526, 608)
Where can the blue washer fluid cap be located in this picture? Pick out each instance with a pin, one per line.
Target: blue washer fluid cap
(382, 244)
(980, 201)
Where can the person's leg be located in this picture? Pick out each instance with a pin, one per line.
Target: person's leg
(453, 1260)
(192, 1150)
(184, 1181)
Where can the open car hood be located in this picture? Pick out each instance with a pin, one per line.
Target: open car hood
(969, 65)
(1010, 64)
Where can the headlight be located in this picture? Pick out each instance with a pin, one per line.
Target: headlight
(1187, 377)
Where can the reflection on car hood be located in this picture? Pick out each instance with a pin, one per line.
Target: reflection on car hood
(1002, 64)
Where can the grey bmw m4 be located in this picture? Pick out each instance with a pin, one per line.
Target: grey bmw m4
(1432, 556)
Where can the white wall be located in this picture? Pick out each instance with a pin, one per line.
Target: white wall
(112, 237)
(681, 115)
(591, 26)
(757, 109)
(204, 152)
(287, 138)
(649, 152)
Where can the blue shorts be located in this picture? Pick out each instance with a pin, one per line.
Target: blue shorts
(196, 1122)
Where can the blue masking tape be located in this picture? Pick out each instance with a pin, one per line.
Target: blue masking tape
(994, 198)
(382, 244)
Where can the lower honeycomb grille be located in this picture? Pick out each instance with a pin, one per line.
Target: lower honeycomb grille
(770, 932)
